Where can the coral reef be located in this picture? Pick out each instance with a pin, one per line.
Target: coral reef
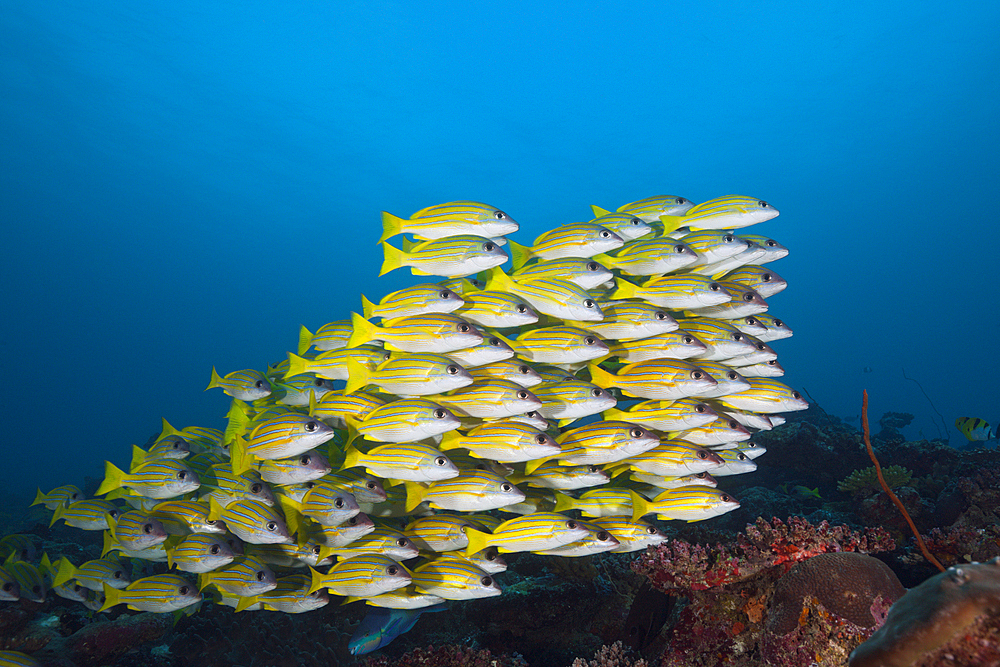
(763, 545)
(952, 618)
(827, 604)
(447, 656)
(865, 481)
(729, 588)
(615, 655)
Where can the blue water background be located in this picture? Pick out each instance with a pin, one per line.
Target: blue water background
(183, 184)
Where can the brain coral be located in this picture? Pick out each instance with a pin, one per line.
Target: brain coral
(824, 607)
(845, 583)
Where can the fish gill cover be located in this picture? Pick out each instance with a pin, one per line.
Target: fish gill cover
(391, 462)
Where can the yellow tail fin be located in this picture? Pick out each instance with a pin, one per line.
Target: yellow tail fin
(415, 494)
(391, 226)
(363, 331)
(367, 307)
(393, 259)
(113, 479)
(478, 541)
(358, 376)
(519, 254)
(305, 340)
(601, 377)
(216, 381)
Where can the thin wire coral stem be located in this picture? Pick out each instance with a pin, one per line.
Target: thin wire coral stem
(881, 480)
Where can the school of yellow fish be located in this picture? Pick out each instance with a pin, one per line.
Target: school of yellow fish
(613, 372)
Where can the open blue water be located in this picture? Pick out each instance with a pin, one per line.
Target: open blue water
(183, 184)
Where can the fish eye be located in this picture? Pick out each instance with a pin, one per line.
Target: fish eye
(387, 356)
(679, 248)
(778, 323)
(440, 461)
(310, 485)
(533, 414)
(256, 487)
(522, 395)
(114, 513)
(117, 574)
(260, 575)
(271, 526)
(147, 528)
(401, 542)
(680, 200)
(737, 337)
(318, 382)
(521, 308)
(603, 536)
(733, 375)
(211, 522)
(392, 569)
(353, 521)
(541, 439)
(700, 407)
(440, 413)
(760, 346)
(8, 586)
(451, 370)
(741, 456)
(499, 215)
(305, 460)
(715, 287)
(370, 486)
(444, 294)
(688, 339)
(650, 530)
(597, 393)
(702, 454)
(590, 340)
(766, 277)
(697, 375)
(593, 266)
(605, 234)
(490, 555)
(259, 384)
(660, 315)
(214, 549)
(796, 394)
(338, 503)
(637, 433)
(486, 581)
(733, 424)
(592, 468)
(495, 342)
(175, 444)
(762, 204)
(748, 297)
(635, 221)
(588, 303)
(311, 426)
(728, 238)
(489, 247)
(464, 328)
(725, 497)
(571, 524)
(506, 488)
(772, 362)
(182, 475)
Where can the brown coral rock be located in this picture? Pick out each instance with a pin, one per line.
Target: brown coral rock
(845, 583)
(930, 617)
